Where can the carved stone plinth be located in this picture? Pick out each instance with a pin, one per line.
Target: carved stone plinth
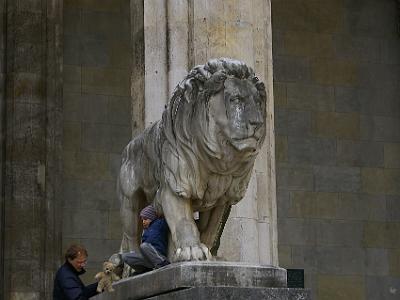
(207, 280)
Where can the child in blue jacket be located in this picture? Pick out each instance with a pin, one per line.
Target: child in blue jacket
(152, 252)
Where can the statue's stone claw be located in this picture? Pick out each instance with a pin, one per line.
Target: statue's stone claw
(189, 253)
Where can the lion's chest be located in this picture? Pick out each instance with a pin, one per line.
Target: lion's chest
(216, 187)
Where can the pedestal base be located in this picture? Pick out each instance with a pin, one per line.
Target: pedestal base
(207, 280)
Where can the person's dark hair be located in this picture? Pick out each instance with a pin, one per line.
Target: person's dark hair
(74, 251)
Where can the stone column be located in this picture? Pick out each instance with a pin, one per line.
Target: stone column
(182, 33)
(33, 116)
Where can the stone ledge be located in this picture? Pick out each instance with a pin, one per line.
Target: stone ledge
(203, 278)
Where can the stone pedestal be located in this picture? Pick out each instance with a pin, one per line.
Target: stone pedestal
(207, 280)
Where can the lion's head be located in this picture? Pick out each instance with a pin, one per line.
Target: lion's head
(215, 118)
(226, 98)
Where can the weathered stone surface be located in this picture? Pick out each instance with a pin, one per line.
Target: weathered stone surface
(205, 293)
(202, 280)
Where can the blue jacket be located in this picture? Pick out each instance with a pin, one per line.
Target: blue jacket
(68, 285)
(157, 235)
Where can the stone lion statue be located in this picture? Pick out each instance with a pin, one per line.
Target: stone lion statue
(197, 158)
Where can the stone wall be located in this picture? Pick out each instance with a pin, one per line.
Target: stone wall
(337, 117)
(97, 122)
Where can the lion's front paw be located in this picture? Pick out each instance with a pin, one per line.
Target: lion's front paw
(196, 252)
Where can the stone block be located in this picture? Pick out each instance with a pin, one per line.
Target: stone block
(320, 151)
(86, 165)
(72, 136)
(72, 110)
(281, 148)
(95, 53)
(393, 208)
(392, 235)
(297, 232)
(341, 125)
(360, 154)
(115, 164)
(281, 122)
(357, 48)
(378, 75)
(85, 223)
(72, 78)
(376, 207)
(382, 287)
(318, 44)
(392, 179)
(348, 125)
(280, 98)
(72, 22)
(72, 50)
(95, 5)
(285, 256)
(337, 179)
(373, 180)
(94, 108)
(202, 280)
(96, 137)
(340, 287)
(114, 224)
(96, 194)
(100, 250)
(106, 81)
(313, 205)
(294, 178)
(352, 206)
(283, 203)
(101, 25)
(340, 260)
(379, 101)
(374, 235)
(394, 262)
(305, 257)
(314, 16)
(119, 110)
(347, 99)
(119, 137)
(299, 123)
(370, 19)
(334, 72)
(377, 263)
(389, 51)
(392, 155)
(291, 69)
(341, 233)
(310, 97)
(377, 128)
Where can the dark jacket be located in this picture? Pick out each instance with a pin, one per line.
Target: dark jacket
(68, 285)
(157, 235)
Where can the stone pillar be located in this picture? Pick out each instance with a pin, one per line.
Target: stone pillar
(180, 34)
(32, 157)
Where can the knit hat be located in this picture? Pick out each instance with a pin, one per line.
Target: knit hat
(148, 213)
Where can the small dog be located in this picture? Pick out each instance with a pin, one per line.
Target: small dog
(106, 278)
